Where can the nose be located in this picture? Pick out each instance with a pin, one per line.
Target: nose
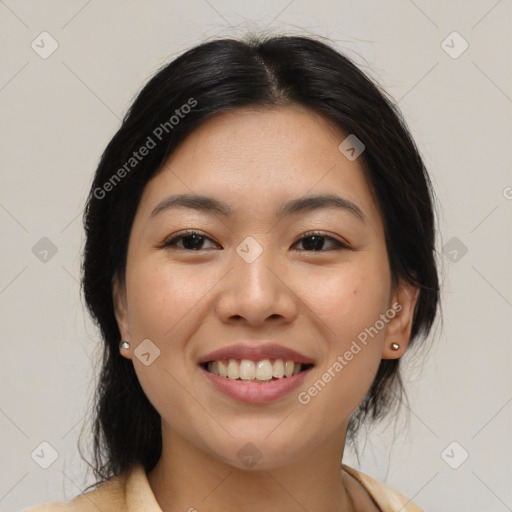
(256, 293)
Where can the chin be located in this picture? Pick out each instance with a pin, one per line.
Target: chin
(258, 452)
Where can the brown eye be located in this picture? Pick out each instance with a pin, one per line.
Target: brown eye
(315, 242)
(190, 241)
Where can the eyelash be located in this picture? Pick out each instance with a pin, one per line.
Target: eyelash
(171, 242)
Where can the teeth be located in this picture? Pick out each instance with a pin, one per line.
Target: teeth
(248, 370)
(278, 369)
(233, 369)
(288, 368)
(223, 369)
(264, 370)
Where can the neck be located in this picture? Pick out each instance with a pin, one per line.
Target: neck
(187, 478)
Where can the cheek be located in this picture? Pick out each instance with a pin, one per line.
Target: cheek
(160, 296)
(163, 306)
(349, 304)
(348, 300)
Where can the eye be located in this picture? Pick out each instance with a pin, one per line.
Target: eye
(191, 240)
(314, 241)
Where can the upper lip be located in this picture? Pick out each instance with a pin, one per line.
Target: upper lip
(256, 353)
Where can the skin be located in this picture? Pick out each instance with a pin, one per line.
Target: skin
(189, 303)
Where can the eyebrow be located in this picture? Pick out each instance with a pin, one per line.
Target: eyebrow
(291, 207)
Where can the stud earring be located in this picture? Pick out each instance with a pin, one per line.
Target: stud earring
(395, 346)
(124, 345)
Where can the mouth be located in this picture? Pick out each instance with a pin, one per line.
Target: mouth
(261, 371)
(255, 373)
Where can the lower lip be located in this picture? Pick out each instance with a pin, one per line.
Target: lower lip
(254, 392)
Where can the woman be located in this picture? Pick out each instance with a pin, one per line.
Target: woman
(259, 256)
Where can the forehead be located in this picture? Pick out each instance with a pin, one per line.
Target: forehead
(258, 158)
(247, 142)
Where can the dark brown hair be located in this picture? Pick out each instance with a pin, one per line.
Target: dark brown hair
(223, 75)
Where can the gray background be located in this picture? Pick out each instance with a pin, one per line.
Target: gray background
(59, 112)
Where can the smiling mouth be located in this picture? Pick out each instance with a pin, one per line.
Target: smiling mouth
(262, 371)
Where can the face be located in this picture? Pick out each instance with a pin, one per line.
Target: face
(269, 275)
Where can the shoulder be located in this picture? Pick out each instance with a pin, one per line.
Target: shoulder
(107, 496)
(387, 499)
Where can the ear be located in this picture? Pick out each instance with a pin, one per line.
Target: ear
(121, 313)
(403, 303)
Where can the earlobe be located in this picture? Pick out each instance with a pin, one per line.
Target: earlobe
(398, 333)
(121, 314)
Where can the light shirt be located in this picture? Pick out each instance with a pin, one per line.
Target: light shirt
(131, 492)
